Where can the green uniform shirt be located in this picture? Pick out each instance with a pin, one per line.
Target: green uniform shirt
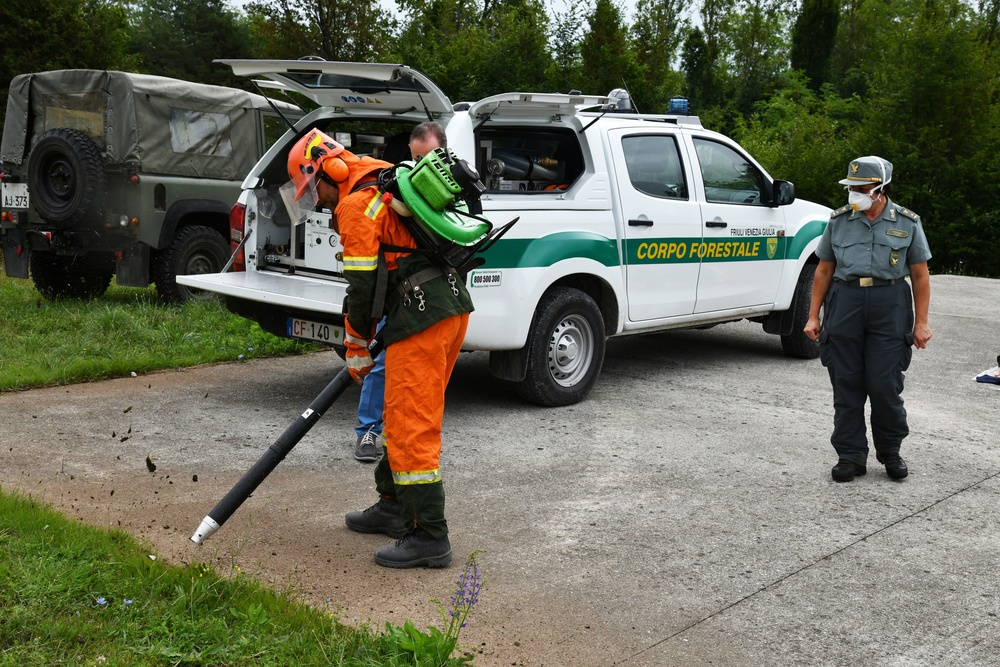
(882, 248)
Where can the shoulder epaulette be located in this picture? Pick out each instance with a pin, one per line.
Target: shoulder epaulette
(907, 212)
(840, 211)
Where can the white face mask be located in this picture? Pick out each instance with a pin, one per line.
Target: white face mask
(861, 201)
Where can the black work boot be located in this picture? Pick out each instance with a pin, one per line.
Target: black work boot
(846, 470)
(895, 466)
(417, 548)
(385, 516)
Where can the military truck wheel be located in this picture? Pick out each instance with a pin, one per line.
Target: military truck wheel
(58, 277)
(194, 250)
(565, 349)
(66, 177)
(797, 344)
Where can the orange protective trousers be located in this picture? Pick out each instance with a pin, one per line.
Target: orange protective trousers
(417, 370)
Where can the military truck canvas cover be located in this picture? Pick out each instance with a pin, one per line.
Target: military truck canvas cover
(152, 123)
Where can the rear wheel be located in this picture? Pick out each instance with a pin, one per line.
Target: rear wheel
(66, 177)
(194, 250)
(565, 349)
(797, 344)
(59, 277)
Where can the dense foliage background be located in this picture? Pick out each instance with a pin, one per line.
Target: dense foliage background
(805, 85)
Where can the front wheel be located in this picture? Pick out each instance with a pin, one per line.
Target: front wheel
(194, 250)
(797, 344)
(565, 349)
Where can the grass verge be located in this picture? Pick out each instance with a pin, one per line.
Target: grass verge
(125, 331)
(77, 595)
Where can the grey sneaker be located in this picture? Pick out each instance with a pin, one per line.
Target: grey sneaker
(368, 450)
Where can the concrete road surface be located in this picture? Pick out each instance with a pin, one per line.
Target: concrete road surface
(682, 515)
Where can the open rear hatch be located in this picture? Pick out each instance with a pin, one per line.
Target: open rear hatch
(354, 89)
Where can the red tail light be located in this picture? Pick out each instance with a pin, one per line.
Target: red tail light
(237, 216)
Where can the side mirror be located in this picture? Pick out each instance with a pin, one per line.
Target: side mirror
(783, 193)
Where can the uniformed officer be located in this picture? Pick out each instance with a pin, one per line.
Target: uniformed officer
(870, 319)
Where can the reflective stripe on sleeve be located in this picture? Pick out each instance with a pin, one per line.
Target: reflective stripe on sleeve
(360, 263)
(417, 477)
(374, 206)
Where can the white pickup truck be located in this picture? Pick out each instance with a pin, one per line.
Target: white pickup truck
(628, 223)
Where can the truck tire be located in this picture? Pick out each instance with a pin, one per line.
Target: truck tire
(565, 349)
(194, 250)
(797, 344)
(66, 177)
(58, 277)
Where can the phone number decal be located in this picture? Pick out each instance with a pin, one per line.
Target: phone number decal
(486, 278)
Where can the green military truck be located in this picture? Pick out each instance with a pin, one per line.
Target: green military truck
(129, 175)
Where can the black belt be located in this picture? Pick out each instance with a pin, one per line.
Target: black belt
(868, 282)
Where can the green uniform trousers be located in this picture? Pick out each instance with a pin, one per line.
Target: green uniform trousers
(866, 344)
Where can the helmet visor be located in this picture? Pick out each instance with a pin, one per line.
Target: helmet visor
(299, 200)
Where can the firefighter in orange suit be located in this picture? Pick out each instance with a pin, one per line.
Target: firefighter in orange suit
(427, 310)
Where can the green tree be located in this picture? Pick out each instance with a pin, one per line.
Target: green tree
(608, 60)
(805, 136)
(516, 55)
(756, 33)
(989, 13)
(336, 30)
(566, 63)
(656, 37)
(181, 38)
(813, 36)
(699, 71)
(708, 81)
(474, 50)
(861, 35)
(39, 35)
(931, 109)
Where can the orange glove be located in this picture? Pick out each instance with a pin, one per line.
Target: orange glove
(359, 362)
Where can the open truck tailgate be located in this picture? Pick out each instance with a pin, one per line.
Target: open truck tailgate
(296, 292)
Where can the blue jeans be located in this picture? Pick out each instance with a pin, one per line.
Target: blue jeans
(372, 401)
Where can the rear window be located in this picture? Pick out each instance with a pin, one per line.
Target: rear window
(78, 111)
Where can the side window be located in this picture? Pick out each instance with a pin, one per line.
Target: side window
(528, 159)
(654, 166)
(200, 132)
(728, 176)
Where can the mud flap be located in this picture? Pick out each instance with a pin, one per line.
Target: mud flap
(15, 256)
(132, 267)
(510, 365)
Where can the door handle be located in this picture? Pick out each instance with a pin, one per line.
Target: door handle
(716, 223)
(640, 223)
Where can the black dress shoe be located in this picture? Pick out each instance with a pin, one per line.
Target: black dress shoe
(895, 466)
(846, 470)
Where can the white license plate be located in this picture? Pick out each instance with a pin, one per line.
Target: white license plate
(15, 195)
(317, 331)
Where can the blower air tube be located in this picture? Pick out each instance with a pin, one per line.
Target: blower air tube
(518, 167)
